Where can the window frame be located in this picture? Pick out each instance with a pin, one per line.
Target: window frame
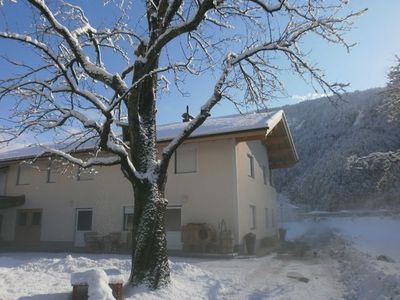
(78, 211)
(264, 170)
(251, 165)
(176, 157)
(125, 216)
(50, 174)
(267, 222)
(253, 217)
(33, 218)
(177, 226)
(20, 166)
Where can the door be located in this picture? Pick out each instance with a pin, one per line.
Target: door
(84, 220)
(173, 228)
(28, 227)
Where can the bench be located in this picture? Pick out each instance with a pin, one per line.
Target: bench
(80, 284)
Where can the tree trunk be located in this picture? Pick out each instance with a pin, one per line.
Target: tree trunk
(149, 253)
(149, 247)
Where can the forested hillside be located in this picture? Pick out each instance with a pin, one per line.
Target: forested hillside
(329, 138)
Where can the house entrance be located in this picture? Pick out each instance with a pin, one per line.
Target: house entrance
(28, 228)
(173, 225)
(83, 223)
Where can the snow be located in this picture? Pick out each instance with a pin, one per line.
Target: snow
(225, 124)
(97, 281)
(36, 150)
(373, 235)
(217, 125)
(343, 269)
(46, 276)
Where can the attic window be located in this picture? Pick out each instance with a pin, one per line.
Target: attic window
(251, 165)
(186, 159)
(53, 171)
(24, 174)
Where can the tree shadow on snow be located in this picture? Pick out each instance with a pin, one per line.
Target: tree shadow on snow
(55, 296)
(267, 293)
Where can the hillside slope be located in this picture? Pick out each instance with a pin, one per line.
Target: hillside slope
(326, 136)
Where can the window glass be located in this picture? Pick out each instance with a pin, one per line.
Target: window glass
(186, 159)
(24, 174)
(84, 220)
(128, 218)
(173, 219)
(251, 165)
(253, 216)
(54, 170)
(264, 170)
(36, 218)
(22, 218)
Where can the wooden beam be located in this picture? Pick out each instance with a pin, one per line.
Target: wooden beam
(276, 140)
(280, 153)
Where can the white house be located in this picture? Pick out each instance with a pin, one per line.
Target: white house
(221, 173)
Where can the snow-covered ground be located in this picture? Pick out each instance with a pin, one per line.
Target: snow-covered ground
(334, 270)
(372, 235)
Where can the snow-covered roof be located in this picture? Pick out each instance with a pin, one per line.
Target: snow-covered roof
(223, 125)
(212, 126)
(30, 151)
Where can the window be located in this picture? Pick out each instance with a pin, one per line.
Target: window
(23, 174)
(186, 159)
(84, 222)
(251, 165)
(36, 218)
(23, 219)
(264, 170)
(128, 218)
(266, 218)
(173, 219)
(53, 171)
(85, 174)
(253, 216)
(3, 177)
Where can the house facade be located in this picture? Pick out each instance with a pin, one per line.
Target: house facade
(221, 175)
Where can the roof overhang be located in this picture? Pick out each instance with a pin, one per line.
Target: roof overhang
(11, 201)
(273, 131)
(281, 150)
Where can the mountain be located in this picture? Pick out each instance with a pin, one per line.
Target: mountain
(328, 136)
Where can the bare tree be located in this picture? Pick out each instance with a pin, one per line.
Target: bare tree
(73, 82)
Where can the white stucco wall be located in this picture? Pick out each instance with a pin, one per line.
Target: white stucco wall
(219, 189)
(60, 200)
(253, 191)
(209, 195)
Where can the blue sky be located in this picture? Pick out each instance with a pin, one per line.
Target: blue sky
(377, 33)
